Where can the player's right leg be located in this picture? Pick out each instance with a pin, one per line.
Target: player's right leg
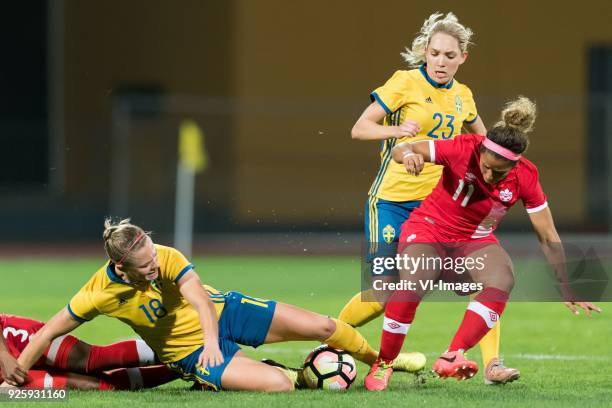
(244, 373)
(57, 379)
(237, 372)
(121, 379)
(400, 311)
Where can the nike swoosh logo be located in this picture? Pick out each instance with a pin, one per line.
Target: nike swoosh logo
(348, 364)
(450, 360)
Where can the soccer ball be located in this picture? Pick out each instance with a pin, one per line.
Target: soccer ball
(329, 369)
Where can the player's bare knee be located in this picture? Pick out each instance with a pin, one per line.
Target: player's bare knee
(279, 383)
(326, 329)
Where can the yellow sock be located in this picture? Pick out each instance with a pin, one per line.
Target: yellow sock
(489, 344)
(357, 313)
(347, 338)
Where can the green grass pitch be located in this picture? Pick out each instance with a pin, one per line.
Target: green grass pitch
(564, 359)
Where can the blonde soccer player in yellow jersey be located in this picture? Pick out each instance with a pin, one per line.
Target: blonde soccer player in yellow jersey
(194, 329)
(424, 103)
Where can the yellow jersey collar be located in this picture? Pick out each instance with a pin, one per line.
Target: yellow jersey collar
(112, 275)
(433, 83)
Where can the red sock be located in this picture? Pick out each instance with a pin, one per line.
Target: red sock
(136, 378)
(131, 353)
(481, 315)
(399, 313)
(59, 350)
(38, 379)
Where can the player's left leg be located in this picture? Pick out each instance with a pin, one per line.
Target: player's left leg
(71, 354)
(253, 321)
(489, 344)
(293, 323)
(482, 313)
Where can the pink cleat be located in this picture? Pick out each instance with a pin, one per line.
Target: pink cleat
(454, 364)
(378, 376)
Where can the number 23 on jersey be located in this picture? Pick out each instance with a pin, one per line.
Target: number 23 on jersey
(443, 128)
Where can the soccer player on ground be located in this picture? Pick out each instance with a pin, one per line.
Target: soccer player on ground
(71, 363)
(193, 329)
(483, 177)
(424, 103)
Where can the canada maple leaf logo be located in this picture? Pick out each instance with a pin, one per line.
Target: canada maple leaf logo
(505, 195)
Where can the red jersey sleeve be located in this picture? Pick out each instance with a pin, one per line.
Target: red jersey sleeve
(447, 152)
(532, 194)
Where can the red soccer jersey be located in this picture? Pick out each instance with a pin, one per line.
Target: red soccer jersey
(463, 206)
(17, 332)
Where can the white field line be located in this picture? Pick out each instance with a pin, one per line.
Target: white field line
(270, 349)
(521, 356)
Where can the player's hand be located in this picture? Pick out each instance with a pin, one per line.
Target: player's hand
(12, 372)
(6, 386)
(413, 162)
(211, 356)
(587, 306)
(410, 128)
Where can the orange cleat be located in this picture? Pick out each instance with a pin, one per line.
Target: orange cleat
(454, 364)
(378, 376)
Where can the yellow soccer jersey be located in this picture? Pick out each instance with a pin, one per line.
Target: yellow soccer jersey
(440, 110)
(158, 314)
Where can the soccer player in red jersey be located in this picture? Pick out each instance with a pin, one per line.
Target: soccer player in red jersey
(72, 363)
(482, 178)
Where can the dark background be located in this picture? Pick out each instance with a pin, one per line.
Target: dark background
(276, 87)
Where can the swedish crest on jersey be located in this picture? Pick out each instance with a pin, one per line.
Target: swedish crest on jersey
(388, 233)
(458, 104)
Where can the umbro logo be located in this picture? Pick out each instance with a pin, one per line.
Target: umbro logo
(122, 301)
(393, 325)
(428, 100)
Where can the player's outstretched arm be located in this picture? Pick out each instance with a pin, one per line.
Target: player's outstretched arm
(412, 155)
(550, 242)
(191, 288)
(12, 372)
(59, 324)
(368, 126)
